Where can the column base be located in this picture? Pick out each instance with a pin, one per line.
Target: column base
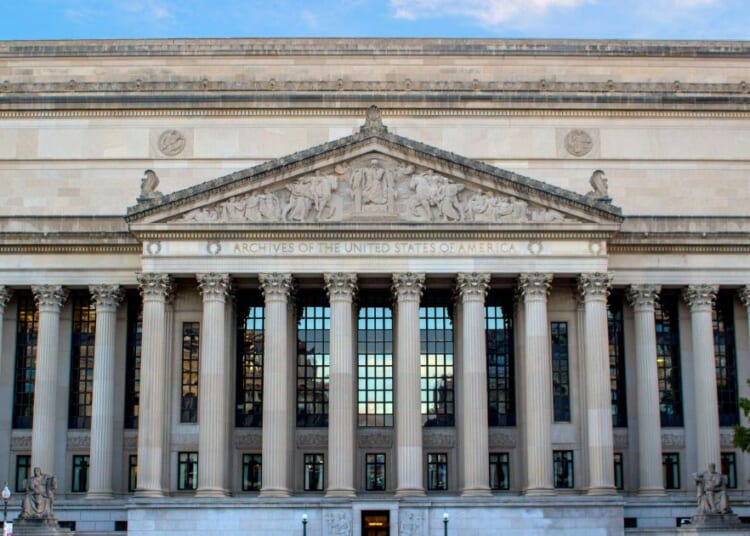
(476, 492)
(537, 492)
(652, 492)
(150, 493)
(277, 492)
(343, 493)
(97, 495)
(609, 490)
(211, 492)
(410, 492)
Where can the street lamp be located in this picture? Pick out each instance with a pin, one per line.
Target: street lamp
(6, 497)
(445, 524)
(304, 524)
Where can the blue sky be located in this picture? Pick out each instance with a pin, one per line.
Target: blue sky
(599, 19)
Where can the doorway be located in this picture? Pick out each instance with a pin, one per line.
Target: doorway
(376, 523)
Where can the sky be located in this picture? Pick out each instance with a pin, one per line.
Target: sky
(585, 19)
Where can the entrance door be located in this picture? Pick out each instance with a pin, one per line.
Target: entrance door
(376, 523)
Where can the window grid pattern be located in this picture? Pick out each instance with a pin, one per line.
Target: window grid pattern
(133, 360)
(82, 362)
(668, 360)
(437, 471)
(560, 371)
(729, 468)
(132, 472)
(252, 472)
(619, 471)
(670, 462)
(313, 359)
(187, 471)
(375, 363)
(499, 471)
(80, 481)
(562, 462)
(375, 472)
(190, 372)
(726, 360)
(436, 359)
(250, 332)
(27, 331)
(617, 361)
(23, 471)
(314, 477)
(500, 362)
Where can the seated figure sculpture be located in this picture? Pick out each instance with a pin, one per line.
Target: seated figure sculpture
(711, 492)
(40, 496)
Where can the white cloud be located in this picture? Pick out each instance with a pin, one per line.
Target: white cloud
(689, 4)
(156, 10)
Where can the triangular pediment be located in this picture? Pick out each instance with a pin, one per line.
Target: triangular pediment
(373, 177)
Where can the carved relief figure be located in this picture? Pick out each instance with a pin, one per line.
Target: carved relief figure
(314, 191)
(40, 496)
(432, 190)
(711, 492)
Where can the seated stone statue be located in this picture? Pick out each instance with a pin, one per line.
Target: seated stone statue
(711, 492)
(40, 496)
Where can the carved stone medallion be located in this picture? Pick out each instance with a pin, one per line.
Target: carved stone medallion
(171, 142)
(578, 142)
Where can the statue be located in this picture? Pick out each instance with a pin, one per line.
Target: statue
(40, 497)
(149, 182)
(600, 187)
(711, 492)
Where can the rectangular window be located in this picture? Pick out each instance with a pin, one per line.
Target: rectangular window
(133, 360)
(726, 359)
(187, 471)
(132, 472)
(499, 471)
(617, 361)
(619, 471)
(436, 359)
(190, 370)
(249, 403)
(668, 359)
(729, 468)
(23, 471)
(560, 371)
(375, 472)
(82, 362)
(562, 462)
(374, 360)
(80, 482)
(670, 462)
(313, 358)
(252, 472)
(500, 360)
(437, 471)
(27, 330)
(314, 472)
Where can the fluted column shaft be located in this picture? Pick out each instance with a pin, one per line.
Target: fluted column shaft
(49, 299)
(700, 299)
(341, 403)
(213, 408)
(594, 288)
(643, 298)
(407, 288)
(472, 290)
(107, 299)
(5, 295)
(155, 289)
(537, 383)
(277, 433)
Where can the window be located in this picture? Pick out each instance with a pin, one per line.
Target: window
(437, 471)
(190, 368)
(252, 472)
(80, 481)
(619, 476)
(668, 360)
(374, 360)
(23, 470)
(133, 360)
(313, 358)
(560, 371)
(132, 472)
(436, 349)
(726, 360)
(249, 403)
(729, 468)
(375, 472)
(670, 462)
(562, 465)
(82, 362)
(313, 472)
(617, 361)
(499, 471)
(187, 471)
(27, 330)
(500, 361)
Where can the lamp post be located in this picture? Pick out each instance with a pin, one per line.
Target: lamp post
(6, 498)
(304, 524)
(445, 524)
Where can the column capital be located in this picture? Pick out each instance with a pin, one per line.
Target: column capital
(744, 294)
(643, 296)
(472, 285)
(106, 296)
(408, 286)
(49, 296)
(594, 285)
(213, 286)
(340, 285)
(276, 285)
(534, 285)
(154, 285)
(700, 297)
(6, 293)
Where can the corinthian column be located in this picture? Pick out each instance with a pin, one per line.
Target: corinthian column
(700, 299)
(341, 289)
(472, 288)
(213, 405)
(594, 289)
(534, 288)
(107, 299)
(277, 433)
(5, 295)
(49, 300)
(151, 420)
(643, 298)
(407, 289)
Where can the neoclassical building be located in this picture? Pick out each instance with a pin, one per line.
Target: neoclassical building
(369, 287)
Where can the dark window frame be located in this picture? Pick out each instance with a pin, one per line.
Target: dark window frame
(249, 377)
(375, 474)
(133, 360)
(437, 352)
(560, 341)
(501, 395)
(132, 472)
(313, 358)
(499, 471)
(725, 353)
(668, 360)
(187, 471)
(670, 462)
(618, 384)
(23, 471)
(82, 350)
(374, 360)
(79, 482)
(729, 468)
(27, 336)
(314, 471)
(437, 471)
(563, 469)
(619, 470)
(252, 471)
(190, 372)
